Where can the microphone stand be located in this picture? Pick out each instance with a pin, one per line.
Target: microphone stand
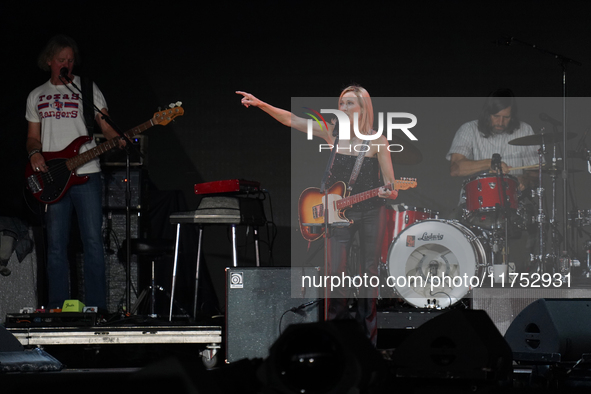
(541, 217)
(128, 147)
(564, 61)
(324, 190)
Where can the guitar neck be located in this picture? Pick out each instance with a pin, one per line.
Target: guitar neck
(357, 198)
(106, 146)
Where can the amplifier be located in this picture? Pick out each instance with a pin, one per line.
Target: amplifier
(259, 306)
(115, 183)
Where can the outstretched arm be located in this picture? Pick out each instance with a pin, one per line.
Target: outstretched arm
(284, 117)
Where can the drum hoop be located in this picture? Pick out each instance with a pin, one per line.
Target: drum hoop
(478, 252)
(409, 208)
(485, 175)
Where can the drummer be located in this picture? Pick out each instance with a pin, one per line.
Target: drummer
(472, 151)
(475, 142)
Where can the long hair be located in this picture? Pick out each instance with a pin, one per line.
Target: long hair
(53, 47)
(495, 102)
(366, 115)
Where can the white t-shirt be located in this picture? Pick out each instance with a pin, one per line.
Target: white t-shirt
(470, 143)
(59, 109)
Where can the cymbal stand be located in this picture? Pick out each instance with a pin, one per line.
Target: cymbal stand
(504, 207)
(553, 254)
(587, 271)
(561, 262)
(541, 218)
(564, 62)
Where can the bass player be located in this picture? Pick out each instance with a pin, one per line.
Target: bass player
(55, 118)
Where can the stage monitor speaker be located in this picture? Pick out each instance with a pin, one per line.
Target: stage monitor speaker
(458, 344)
(259, 306)
(551, 330)
(324, 357)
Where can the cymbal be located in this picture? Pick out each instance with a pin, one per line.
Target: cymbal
(410, 154)
(553, 170)
(539, 139)
(546, 169)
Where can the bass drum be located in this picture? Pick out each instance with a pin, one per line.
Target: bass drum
(400, 217)
(434, 263)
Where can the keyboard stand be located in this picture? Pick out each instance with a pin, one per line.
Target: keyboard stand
(231, 211)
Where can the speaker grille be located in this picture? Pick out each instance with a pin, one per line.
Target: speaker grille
(259, 307)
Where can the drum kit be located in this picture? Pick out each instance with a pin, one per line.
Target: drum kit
(434, 263)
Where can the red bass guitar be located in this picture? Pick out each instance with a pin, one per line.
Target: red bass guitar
(49, 187)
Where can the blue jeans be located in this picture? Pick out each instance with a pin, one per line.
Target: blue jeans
(86, 200)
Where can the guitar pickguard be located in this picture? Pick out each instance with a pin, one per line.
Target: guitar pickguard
(334, 216)
(49, 186)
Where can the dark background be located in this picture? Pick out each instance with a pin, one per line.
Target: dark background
(144, 55)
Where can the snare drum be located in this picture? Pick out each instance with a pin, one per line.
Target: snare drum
(400, 217)
(434, 263)
(484, 200)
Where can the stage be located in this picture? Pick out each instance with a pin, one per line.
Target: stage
(434, 60)
(187, 358)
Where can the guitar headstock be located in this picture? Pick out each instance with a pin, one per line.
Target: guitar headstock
(405, 183)
(165, 117)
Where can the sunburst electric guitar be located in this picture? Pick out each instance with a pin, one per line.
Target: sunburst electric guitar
(311, 205)
(49, 187)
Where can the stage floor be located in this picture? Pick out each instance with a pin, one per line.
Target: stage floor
(133, 342)
(44, 336)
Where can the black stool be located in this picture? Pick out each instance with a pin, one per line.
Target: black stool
(154, 249)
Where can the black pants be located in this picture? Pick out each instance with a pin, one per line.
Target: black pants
(370, 225)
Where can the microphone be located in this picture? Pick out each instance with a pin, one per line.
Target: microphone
(495, 162)
(549, 119)
(300, 309)
(64, 74)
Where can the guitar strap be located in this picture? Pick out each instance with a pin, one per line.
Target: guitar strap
(88, 100)
(357, 167)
